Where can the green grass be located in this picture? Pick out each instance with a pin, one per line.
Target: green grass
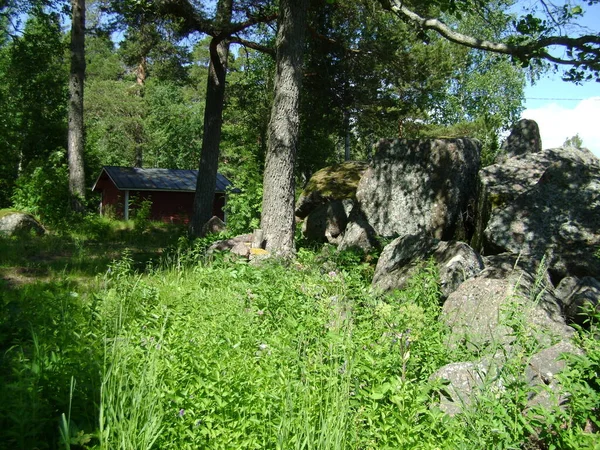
(182, 351)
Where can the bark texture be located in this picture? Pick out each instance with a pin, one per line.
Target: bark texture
(76, 78)
(279, 187)
(213, 119)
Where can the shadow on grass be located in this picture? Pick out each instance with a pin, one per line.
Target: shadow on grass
(48, 297)
(45, 341)
(31, 258)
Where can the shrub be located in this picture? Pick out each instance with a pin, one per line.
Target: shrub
(243, 208)
(44, 191)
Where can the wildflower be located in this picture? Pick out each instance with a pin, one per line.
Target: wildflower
(181, 412)
(260, 312)
(332, 274)
(263, 346)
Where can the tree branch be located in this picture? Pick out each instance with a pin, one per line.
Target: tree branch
(191, 20)
(253, 45)
(321, 37)
(533, 49)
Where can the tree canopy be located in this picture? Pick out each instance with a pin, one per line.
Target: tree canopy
(370, 69)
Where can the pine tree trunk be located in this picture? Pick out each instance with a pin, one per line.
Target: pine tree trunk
(140, 72)
(346, 135)
(277, 219)
(213, 119)
(76, 78)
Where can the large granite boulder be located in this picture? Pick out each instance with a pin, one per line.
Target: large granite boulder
(402, 258)
(496, 308)
(20, 224)
(545, 203)
(328, 221)
(337, 182)
(419, 187)
(465, 381)
(359, 234)
(579, 298)
(541, 372)
(524, 138)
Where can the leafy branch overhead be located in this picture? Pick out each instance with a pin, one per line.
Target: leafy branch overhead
(533, 38)
(192, 19)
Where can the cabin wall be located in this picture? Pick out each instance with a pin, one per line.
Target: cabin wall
(112, 201)
(168, 207)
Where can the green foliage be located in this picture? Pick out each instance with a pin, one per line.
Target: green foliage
(575, 424)
(141, 210)
(44, 191)
(573, 141)
(198, 353)
(102, 63)
(243, 208)
(45, 340)
(174, 127)
(33, 98)
(114, 120)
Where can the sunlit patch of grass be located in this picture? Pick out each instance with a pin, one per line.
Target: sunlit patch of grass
(188, 352)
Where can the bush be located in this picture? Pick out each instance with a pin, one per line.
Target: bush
(243, 208)
(44, 191)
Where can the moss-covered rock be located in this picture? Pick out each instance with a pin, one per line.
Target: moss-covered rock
(337, 182)
(20, 224)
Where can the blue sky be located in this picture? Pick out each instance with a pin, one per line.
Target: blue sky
(564, 109)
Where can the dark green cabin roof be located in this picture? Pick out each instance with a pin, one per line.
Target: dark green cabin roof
(138, 179)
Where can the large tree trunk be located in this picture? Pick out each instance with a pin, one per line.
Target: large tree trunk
(346, 135)
(213, 118)
(277, 219)
(76, 78)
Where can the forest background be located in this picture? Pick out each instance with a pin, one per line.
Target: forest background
(367, 75)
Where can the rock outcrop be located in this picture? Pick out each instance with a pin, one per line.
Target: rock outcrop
(238, 245)
(214, 226)
(420, 187)
(524, 138)
(327, 201)
(465, 381)
(541, 372)
(19, 224)
(545, 203)
(359, 234)
(496, 308)
(534, 215)
(579, 298)
(328, 221)
(336, 182)
(403, 257)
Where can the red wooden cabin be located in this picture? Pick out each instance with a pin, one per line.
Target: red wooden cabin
(170, 192)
